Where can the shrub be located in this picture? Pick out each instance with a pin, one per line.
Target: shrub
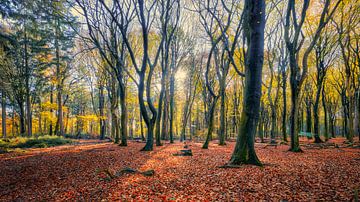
(40, 142)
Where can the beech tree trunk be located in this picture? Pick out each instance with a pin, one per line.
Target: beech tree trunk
(160, 110)
(3, 114)
(123, 116)
(101, 111)
(244, 152)
(172, 103)
(222, 131)
(326, 131)
(284, 112)
(316, 110)
(210, 123)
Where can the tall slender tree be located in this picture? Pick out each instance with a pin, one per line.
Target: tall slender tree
(254, 25)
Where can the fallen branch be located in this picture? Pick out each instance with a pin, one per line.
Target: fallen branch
(111, 175)
(185, 152)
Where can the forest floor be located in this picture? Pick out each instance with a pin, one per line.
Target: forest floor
(71, 172)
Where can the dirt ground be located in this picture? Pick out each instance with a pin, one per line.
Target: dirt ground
(73, 172)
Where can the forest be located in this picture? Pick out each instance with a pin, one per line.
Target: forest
(180, 100)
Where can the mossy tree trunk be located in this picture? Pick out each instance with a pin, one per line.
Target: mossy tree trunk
(244, 152)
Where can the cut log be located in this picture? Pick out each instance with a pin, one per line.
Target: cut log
(185, 152)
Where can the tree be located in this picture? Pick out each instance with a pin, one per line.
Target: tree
(294, 44)
(324, 56)
(349, 47)
(168, 26)
(110, 42)
(144, 69)
(254, 25)
(191, 89)
(216, 17)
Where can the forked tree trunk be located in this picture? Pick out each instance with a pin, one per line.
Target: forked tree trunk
(210, 123)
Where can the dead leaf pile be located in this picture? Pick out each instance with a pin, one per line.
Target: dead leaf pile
(70, 173)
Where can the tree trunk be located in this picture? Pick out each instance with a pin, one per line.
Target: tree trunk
(165, 117)
(21, 117)
(316, 111)
(326, 131)
(344, 103)
(59, 79)
(294, 114)
(150, 122)
(234, 119)
(244, 152)
(273, 125)
(358, 111)
(3, 114)
(114, 105)
(51, 110)
(261, 127)
(308, 116)
(40, 119)
(160, 110)
(222, 111)
(351, 118)
(142, 128)
(27, 86)
(101, 112)
(28, 113)
(60, 121)
(283, 126)
(123, 117)
(210, 123)
(13, 121)
(172, 103)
